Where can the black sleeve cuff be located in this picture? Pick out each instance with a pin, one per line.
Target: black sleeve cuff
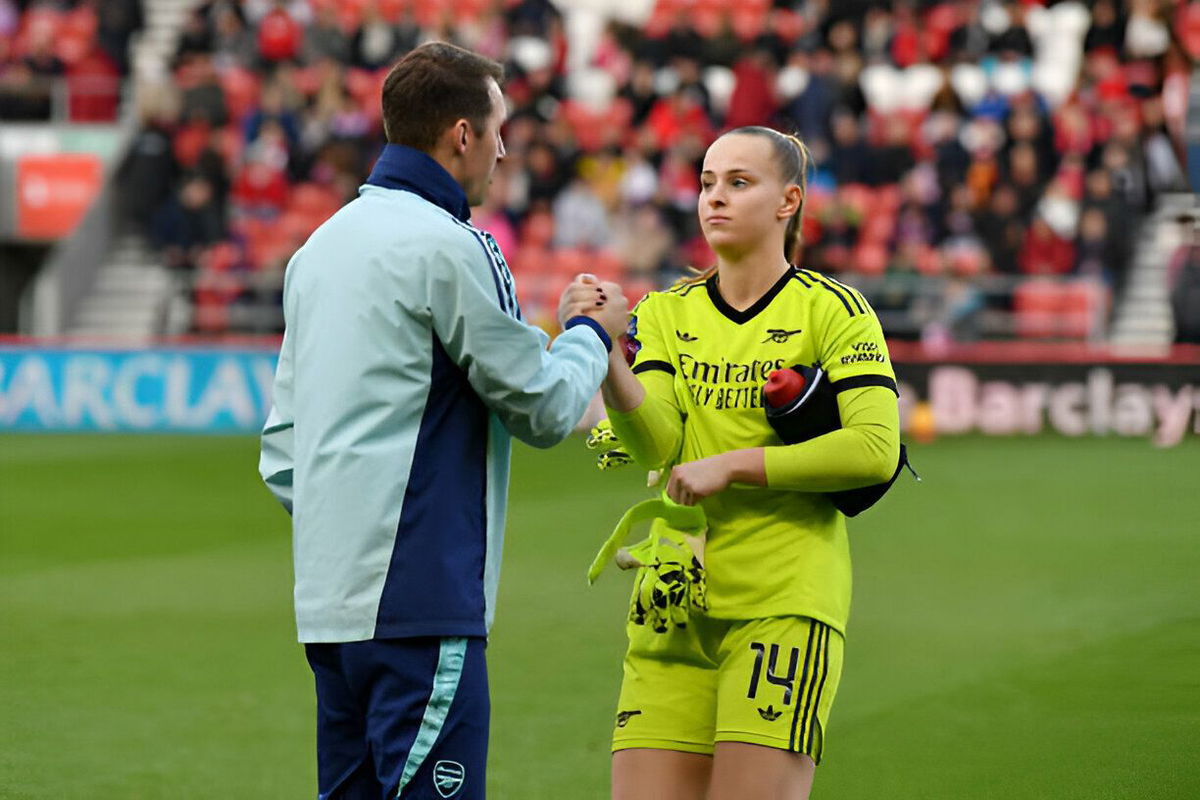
(591, 323)
(862, 381)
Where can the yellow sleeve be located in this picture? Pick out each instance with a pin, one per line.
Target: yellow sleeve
(652, 432)
(855, 357)
(863, 452)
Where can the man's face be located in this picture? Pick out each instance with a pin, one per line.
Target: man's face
(485, 150)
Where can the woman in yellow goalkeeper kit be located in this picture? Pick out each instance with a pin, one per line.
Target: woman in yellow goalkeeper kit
(734, 703)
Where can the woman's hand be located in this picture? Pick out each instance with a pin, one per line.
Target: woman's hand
(695, 480)
(692, 482)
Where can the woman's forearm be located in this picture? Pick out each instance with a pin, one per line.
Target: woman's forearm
(621, 389)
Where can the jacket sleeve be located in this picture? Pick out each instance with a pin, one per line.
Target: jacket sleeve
(276, 455)
(539, 394)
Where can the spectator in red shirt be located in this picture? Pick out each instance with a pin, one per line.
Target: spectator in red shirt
(677, 115)
(1044, 252)
(753, 98)
(279, 36)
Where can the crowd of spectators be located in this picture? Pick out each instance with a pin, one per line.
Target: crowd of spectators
(67, 53)
(971, 158)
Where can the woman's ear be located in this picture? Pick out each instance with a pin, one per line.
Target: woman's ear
(792, 198)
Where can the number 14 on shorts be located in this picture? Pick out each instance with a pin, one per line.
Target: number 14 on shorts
(786, 680)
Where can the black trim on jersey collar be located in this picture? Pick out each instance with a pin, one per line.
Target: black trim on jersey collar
(863, 381)
(826, 283)
(750, 313)
(662, 366)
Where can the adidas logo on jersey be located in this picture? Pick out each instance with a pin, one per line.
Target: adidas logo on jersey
(769, 713)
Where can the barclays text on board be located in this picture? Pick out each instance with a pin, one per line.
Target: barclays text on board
(138, 390)
(1155, 401)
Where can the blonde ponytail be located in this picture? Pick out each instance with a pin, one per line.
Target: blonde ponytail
(792, 237)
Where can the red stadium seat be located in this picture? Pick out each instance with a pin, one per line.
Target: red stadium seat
(837, 257)
(428, 13)
(636, 287)
(607, 266)
(877, 227)
(929, 261)
(1037, 304)
(787, 25)
(888, 198)
(593, 128)
(538, 229)
(296, 225)
(856, 196)
(538, 294)
(707, 21)
(314, 198)
(571, 262)
(1084, 308)
(531, 260)
(221, 257)
(869, 258)
(392, 10)
(468, 10)
(748, 22)
(966, 260)
(350, 13)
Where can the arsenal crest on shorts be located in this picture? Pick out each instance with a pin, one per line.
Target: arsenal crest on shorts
(448, 777)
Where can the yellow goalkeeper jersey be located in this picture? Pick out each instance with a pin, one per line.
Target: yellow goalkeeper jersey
(779, 550)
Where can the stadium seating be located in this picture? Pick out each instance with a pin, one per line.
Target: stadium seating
(931, 113)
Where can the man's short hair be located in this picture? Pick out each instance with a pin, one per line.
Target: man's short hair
(431, 88)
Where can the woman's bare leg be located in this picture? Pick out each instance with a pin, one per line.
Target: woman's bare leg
(650, 774)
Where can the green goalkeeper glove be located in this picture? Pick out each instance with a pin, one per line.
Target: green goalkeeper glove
(670, 582)
(611, 454)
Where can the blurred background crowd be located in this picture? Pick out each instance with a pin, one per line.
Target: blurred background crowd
(981, 167)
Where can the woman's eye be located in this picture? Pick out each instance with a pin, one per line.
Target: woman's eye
(739, 182)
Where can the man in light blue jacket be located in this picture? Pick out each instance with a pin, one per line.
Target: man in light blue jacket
(404, 371)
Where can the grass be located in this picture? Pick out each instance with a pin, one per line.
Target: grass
(1026, 624)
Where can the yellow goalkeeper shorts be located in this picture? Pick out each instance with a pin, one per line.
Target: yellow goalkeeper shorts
(767, 681)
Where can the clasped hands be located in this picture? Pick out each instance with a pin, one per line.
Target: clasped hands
(603, 301)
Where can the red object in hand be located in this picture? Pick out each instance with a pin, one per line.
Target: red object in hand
(783, 386)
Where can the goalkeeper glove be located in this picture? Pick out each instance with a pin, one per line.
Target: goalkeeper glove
(670, 583)
(603, 439)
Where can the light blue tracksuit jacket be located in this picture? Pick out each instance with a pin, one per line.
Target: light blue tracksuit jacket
(404, 371)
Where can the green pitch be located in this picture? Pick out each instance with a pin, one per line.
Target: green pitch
(1026, 624)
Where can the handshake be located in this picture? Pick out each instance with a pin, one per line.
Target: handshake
(603, 301)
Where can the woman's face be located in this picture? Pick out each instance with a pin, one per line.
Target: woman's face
(743, 199)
